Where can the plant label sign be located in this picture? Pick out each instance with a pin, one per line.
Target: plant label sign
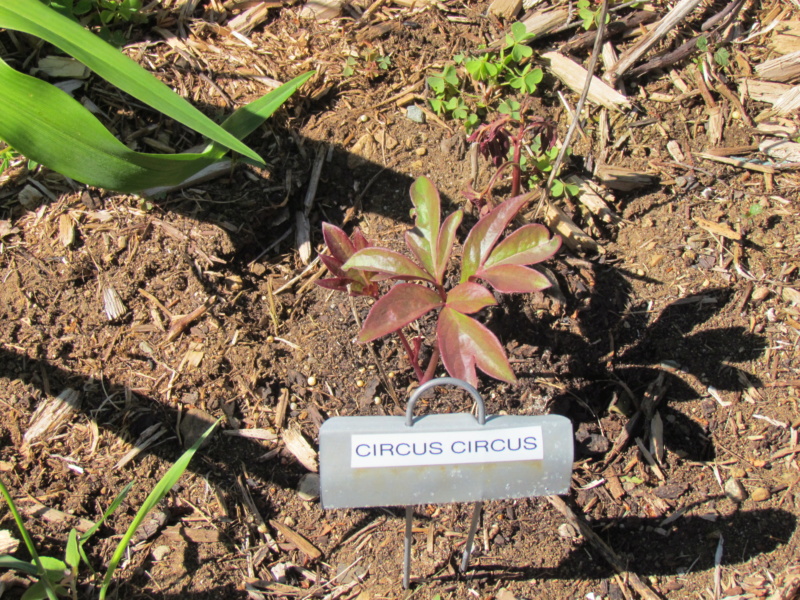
(435, 459)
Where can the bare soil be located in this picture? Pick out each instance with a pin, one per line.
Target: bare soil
(668, 305)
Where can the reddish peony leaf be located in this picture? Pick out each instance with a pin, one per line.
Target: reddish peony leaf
(339, 245)
(528, 245)
(464, 344)
(335, 283)
(384, 261)
(469, 298)
(514, 279)
(403, 304)
(447, 237)
(487, 231)
(334, 265)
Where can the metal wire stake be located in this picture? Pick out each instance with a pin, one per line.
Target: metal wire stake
(407, 549)
(476, 516)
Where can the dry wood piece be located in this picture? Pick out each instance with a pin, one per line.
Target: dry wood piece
(252, 17)
(322, 10)
(302, 450)
(572, 235)
(8, 545)
(622, 179)
(506, 9)
(738, 162)
(298, 540)
(781, 150)
(763, 91)
(180, 323)
(719, 229)
(786, 37)
(543, 21)
(33, 508)
(681, 10)
(50, 415)
(604, 549)
(586, 39)
(782, 68)
(591, 197)
(652, 396)
(574, 75)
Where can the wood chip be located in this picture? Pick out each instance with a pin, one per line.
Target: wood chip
(574, 75)
(8, 545)
(63, 66)
(572, 235)
(34, 508)
(196, 535)
(543, 21)
(781, 68)
(506, 9)
(298, 540)
(622, 179)
(591, 196)
(786, 37)
(112, 304)
(51, 415)
(66, 231)
(781, 150)
(252, 434)
(680, 11)
(719, 229)
(300, 448)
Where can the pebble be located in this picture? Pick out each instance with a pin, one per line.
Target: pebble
(308, 488)
(567, 531)
(421, 151)
(312, 381)
(414, 113)
(735, 490)
(159, 552)
(738, 473)
(760, 494)
(759, 295)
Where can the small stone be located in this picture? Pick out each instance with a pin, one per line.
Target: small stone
(738, 473)
(735, 490)
(567, 531)
(289, 521)
(760, 494)
(360, 383)
(30, 197)
(759, 295)
(159, 552)
(415, 113)
(308, 488)
(312, 381)
(421, 151)
(194, 423)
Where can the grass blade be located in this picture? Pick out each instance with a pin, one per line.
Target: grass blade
(72, 141)
(159, 491)
(9, 562)
(33, 17)
(41, 572)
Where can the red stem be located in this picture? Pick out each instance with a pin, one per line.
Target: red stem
(431, 370)
(411, 356)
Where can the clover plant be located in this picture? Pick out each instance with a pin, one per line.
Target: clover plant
(421, 285)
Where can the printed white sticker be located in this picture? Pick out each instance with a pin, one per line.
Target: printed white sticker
(446, 447)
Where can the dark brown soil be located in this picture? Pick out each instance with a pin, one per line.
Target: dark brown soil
(667, 300)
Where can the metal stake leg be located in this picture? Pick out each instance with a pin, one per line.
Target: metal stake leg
(476, 516)
(407, 549)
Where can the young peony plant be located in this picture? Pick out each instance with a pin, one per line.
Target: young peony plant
(419, 286)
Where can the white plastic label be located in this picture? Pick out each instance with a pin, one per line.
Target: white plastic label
(446, 447)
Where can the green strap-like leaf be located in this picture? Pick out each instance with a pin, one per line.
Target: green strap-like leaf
(50, 127)
(33, 17)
